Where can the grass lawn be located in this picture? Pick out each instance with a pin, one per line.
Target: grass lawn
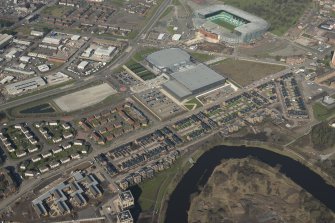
(156, 188)
(321, 112)
(167, 11)
(202, 57)
(23, 30)
(245, 72)
(280, 15)
(140, 55)
(57, 10)
(193, 104)
(150, 189)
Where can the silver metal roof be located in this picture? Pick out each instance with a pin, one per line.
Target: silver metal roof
(168, 58)
(177, 89)
(197, 77)
(185, 83)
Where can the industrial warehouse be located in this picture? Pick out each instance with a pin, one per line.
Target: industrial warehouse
(224, 23)
(187, 77)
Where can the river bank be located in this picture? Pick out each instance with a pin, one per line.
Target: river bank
(198, 175)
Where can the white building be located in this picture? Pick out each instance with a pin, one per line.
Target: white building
(31, 150)
(7, 79)
(4, 40)
(25, 85)
(43, 68)
(36, 33)
(56, 150)
(25, 59)
(11, 54)
(176, 37)
(75, 37)
(21, 153)
(36, 159)
(28, 174)
(65, 160)
(45, 155)
(104, 52)
(53, 165)
(57, 78)
(78, 143)
(52, 40)
(43, 169)
(82, 65)
(66, 146)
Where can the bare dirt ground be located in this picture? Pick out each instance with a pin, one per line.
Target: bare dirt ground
(84, 98)
(249, 191)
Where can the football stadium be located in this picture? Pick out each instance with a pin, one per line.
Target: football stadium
(225, 23)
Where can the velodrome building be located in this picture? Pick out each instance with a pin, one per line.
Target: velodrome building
(225, 23)
(187, 77)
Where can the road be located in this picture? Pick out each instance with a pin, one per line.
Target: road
(28, 185)
(126, 55)
(123, 58)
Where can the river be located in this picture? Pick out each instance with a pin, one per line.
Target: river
(198, 175)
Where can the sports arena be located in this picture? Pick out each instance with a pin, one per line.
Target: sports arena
(229, 24)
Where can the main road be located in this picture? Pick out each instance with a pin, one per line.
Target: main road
(28, 185)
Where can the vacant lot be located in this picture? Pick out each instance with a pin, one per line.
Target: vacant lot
(202, 57)
(84, 98)
(321, 112)
(57, 10)
(245, 72)
(280, 14)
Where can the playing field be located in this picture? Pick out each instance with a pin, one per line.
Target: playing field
(224, 24)
(84, 98)
(245, 72)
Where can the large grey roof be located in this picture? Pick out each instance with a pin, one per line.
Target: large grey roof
(186, 82)
(178, 89)
(168, 58)
(197, 77)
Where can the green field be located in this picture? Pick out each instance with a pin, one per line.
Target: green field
(321, 112)
(245, 72)
(224, 24)
(193, 104)
(140, 55)
(140, 71)
(57, 10)
(42, 108)
(202, 57)
(280, 14)
(155, 189)
(167, 11)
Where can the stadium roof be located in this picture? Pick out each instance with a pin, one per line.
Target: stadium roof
(255, 22)
(168, 58)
